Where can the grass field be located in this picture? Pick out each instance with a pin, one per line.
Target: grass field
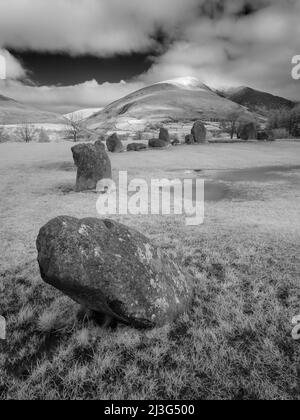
(236, 341)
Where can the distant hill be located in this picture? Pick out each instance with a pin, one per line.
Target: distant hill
(13, 112)
(255, 99)
(183, 99)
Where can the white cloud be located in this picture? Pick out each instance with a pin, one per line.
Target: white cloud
(14, 69)
(100, 27)
(68, 98)
(254, 51)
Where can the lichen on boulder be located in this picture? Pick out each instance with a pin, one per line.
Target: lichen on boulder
(114, 270)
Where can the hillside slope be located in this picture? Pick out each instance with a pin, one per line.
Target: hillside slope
(254, 99)
(184, 99)
(13, 112)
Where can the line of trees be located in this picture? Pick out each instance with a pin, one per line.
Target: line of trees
(234, 119)
(26, 133)
(288, 119)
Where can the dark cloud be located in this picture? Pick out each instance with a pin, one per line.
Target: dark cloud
(254, 50)
(99, 27)
(222, 42)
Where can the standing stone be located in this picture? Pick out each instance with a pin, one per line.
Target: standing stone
(175, 141)
(199, 132)
(164, 135)
(136, 147)
(247, 131)
(157, 143)
(114, 144)
(93, 164)
(189, 139)
(114, 270)
(262, 135)
(265, 135)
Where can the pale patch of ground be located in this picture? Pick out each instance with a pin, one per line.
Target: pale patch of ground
(82, 113)
(235, 343)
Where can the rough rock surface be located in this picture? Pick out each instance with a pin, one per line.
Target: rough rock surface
(189, 139)
(112, 269)
(199, 132)
(247, 131)
(136, 147)
(164, 135)
(93, 164)
(157, 143)
(114, 144)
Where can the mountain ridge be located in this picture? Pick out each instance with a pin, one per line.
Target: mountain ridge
(254, 99)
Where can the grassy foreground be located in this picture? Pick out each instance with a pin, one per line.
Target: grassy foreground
(234, 344)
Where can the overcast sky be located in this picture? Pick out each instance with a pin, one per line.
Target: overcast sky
(68, 54)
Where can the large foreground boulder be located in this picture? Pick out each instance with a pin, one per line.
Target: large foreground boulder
(247, 131)
(199, 132)
(157, 143)
(113, 270)
(93, 164)
(164, 135)
(136, 147)
(114, 144)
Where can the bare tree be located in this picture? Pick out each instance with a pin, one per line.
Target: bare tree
(75, 127)
(233, 117)
(26, 132)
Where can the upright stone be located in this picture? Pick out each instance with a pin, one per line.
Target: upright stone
(247, 131)
(199, 132)
(93, 164)
(114, 144)
(189, 139)
(164, 135)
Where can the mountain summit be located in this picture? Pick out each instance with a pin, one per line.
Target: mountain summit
(182, 99)
(187, 83)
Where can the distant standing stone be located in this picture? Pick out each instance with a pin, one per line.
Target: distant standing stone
(93, 164)
(114, 144)
(175, 142)
(199, 132)
(265, 135)
(136, 147)
(157, 143)
(164, 135)
(189, 139)
(247, 131)
(114, 270)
